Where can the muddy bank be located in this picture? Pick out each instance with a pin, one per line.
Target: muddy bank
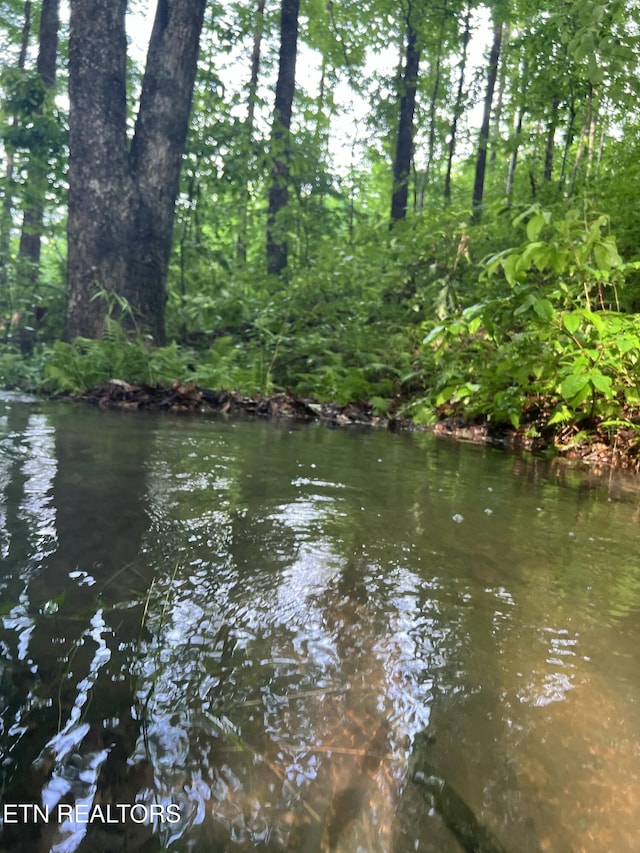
(595, 446)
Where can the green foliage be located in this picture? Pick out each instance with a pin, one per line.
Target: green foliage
(547, 340)
(16, 371)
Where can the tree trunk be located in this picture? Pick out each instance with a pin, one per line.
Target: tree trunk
(241, 243)
(550, 143)
(458, 107)
(7, 199)
(277, 247)
(518, 118)
(481, 161)
(513, 160)
(500, 99)
(37, 170)
(583, 142)
(404, 143)
(431, 143)
(121, 197)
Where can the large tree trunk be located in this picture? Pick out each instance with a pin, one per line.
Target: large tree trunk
(277, 247)
(121, 197)
(483, 140)
(404, 143)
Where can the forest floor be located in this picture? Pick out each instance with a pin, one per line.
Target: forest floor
(594, 446)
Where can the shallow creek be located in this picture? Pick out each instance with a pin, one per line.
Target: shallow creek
(246, 626)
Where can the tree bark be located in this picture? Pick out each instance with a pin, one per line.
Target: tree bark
(501, 88)
(404, 143)
(241, 243)
(277, 245)
(569, 137)
(513, 160)
(7, 199)
(550, 142)
(431, 143)
(121, 197)
(583, 142)
(458, 108)
(483, 140)
(31, 234)
(519, 108)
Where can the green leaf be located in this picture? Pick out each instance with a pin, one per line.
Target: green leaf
(606, 255)
(544, 309)
(535, 226)
(591, 317)
(510, 266)
(561, 415)
(528, 302)
(571, 322)
(436, 332)
(601, 382)
(575, 388)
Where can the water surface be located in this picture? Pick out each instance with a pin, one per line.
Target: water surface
(252, 622)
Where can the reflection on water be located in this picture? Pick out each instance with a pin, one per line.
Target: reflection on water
(226, 636)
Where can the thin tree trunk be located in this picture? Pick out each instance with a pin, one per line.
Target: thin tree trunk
(121, 199)
(458, 107)
(518, 118)
(550, 142)
(583, 143)
(513, 160)
(603, 137)
(7, 199)
(404, 144)
(591, 137)
(241, 245)
(37, 169)
(500, 99)
(483, 140)
(277, 245)
(431, 141)
(569, 137)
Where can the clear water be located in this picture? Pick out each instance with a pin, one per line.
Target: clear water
(252, 622)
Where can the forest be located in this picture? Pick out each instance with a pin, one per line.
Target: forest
(428, 208)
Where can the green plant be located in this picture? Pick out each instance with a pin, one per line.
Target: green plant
(547, 339)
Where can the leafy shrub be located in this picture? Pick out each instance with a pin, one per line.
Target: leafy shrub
(548, 337)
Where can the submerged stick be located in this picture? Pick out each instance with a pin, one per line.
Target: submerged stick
(454, 812)
(456, 815)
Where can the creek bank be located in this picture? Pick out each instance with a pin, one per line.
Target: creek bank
(594, 447)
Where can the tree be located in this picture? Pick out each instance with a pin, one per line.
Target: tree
(7, 196)
(121, 195)
(459, 102)
(31, 236)
(277, 248)
(252, 97)
(404, 142)
(483, 140)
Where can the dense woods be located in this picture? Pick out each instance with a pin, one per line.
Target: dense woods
(432, 207)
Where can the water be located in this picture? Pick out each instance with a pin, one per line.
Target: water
(245, 627)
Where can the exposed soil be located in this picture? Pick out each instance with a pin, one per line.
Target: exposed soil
(593, 446)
